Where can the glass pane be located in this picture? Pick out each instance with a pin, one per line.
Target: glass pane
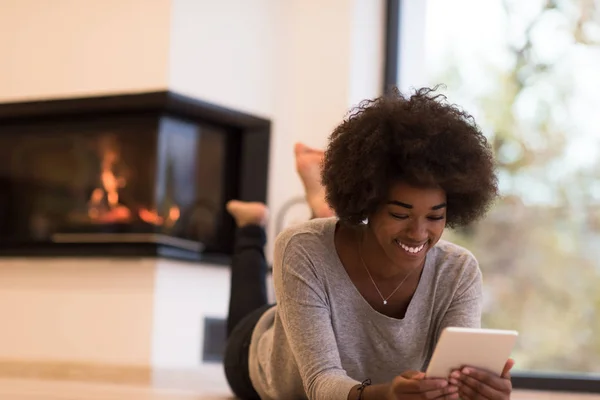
(529, 73)
(76, 177)
(113, 179)
(191, 180)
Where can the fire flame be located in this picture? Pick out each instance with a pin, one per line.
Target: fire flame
(104, 206)
(153, 218)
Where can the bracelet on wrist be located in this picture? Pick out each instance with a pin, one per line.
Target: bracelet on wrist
(362, 387)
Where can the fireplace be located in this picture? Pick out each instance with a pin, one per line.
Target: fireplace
(143, 174)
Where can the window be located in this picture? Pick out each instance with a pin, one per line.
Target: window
(528, 71)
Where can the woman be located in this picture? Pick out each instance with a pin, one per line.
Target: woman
(363, 297)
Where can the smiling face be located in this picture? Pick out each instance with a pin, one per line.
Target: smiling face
(409, 223)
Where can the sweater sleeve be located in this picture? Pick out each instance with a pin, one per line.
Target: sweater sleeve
(305, 315)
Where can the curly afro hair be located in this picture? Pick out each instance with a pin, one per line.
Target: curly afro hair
(419, 139)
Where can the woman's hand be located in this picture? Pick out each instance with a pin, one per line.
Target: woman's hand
(412, 385)
(475, 384)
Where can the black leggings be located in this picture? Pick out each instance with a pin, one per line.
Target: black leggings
(247, 303)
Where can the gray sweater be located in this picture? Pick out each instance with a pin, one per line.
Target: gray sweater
(323, 338)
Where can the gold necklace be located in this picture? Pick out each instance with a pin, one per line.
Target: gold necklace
(385, 299)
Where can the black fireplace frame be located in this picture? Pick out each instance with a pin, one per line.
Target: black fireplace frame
(252, 165)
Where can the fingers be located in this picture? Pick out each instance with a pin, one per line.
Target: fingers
(487, 379)
(466, 393)
(413, 384)
(431, 385)
(413, 375)
(507, 367)
(403, 385)
(475, 390)
(450, 392)
(479, 384)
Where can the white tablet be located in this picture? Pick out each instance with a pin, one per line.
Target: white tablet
(487, 349)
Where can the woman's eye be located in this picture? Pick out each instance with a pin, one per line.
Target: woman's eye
(397, 216)
(436, 218)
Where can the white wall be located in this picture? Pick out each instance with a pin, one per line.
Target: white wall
(184, 295)
(87, 310)
(300, 63)
(329, 56)
(90, 310)
(224, 52)
(411, 67)
(64, 48)
(367, 50)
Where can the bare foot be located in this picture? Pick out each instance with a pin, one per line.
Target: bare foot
(248, 213)
(308, 166)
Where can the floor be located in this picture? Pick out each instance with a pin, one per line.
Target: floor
(206, 384)
(40, 390)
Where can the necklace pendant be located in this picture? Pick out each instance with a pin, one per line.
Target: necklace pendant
(384, 302)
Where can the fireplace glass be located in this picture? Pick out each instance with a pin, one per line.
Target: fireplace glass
(116, 179)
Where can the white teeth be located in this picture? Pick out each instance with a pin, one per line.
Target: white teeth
(412, 250)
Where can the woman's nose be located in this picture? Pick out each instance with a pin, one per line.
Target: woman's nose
(417, 231)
